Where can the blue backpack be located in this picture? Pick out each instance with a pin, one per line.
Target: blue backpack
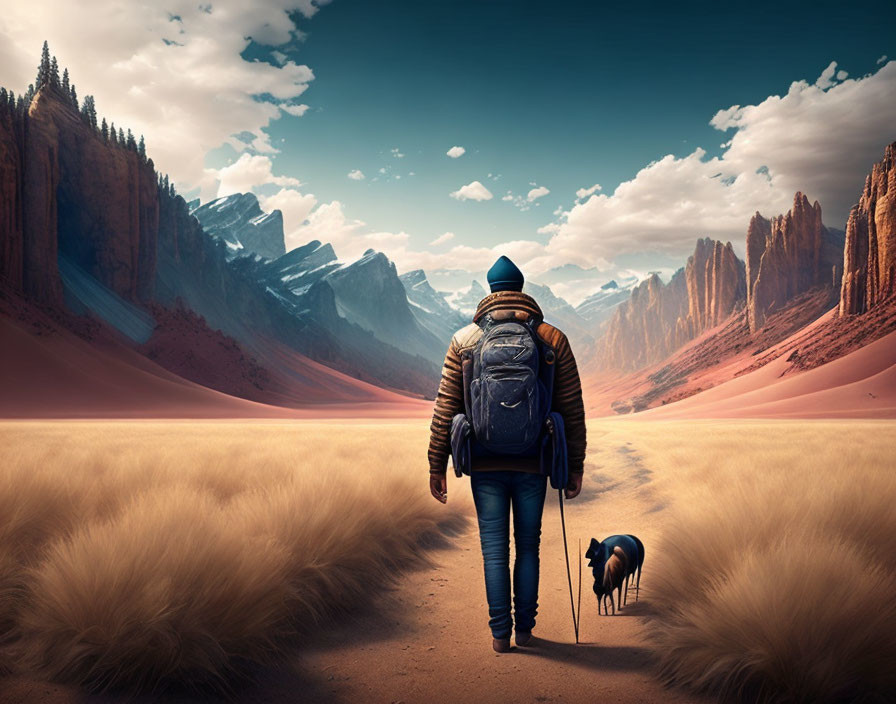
(509, 387)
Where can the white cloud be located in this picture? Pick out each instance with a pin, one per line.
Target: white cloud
(187, 96)
(397, 153)
(356, 175)
(585, 192)
(296, 110)
(881, 59)
(456, 152)
(472, 191)
(821, 141)
(536, 193)
(827, 79)
(442, 239)
(248, 172)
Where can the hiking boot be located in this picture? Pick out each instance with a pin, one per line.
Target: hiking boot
(523, 638)
(501, 645)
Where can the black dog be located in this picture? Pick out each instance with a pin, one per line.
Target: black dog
(606, 558)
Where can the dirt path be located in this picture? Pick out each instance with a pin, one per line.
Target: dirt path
(429, 642)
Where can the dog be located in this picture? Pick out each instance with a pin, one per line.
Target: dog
(629, 552)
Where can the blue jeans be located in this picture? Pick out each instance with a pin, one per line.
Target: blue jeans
(494, 493)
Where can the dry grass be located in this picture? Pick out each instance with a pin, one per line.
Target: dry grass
(134, 554)
(775, 577)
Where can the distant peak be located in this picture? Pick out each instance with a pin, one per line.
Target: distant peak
(611, 284)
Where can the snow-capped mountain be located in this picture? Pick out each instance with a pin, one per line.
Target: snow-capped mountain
(240, 222)
(599, 306)
(466, 301)
(430, 307)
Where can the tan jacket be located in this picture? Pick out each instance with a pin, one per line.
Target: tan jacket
(567, 388)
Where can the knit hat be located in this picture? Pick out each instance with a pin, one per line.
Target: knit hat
(505, 276)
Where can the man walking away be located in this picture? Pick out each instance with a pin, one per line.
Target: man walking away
(499, 481)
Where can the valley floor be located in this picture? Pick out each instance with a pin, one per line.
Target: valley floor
(427, 639)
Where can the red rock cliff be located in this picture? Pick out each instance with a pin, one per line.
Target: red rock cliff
(787, 256)
(64, 189)
(659, 318)
(643, 329)
(869, 256)
(716, 286)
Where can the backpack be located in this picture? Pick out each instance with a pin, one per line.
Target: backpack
(509, 386)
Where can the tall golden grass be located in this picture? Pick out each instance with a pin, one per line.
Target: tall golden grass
(774, 579)
(135, 554)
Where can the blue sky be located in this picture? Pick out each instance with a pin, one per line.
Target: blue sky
(689, 118)
(563, 95)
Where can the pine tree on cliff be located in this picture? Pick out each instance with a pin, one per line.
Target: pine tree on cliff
(112, 134)
(141, 148)
(121, 136)
(29, 95)
(131, 143)
(66, 87)
(54, 73)
(43, 71)
(74, 97)
(104, 130)
(88, 111)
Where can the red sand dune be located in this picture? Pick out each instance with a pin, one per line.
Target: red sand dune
(861, 384)
(49, 372)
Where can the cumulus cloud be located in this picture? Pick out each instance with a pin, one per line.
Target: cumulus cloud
(536, 193)
(248, 172)
(396, 152)
(585, 192)
(442, 239)
(456, 152)
(356, 175)
(881, 59)
(819, 140)
(172, 72)
(472, 191)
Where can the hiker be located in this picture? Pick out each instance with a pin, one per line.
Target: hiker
(504, 405)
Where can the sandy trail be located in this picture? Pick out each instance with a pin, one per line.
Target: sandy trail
(429, 640)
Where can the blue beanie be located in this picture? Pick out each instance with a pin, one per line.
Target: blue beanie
(505, 276)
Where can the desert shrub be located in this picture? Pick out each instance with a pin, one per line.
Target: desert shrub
(777, 583)
(138, 554)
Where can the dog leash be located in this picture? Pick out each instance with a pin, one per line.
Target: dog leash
(572, 604)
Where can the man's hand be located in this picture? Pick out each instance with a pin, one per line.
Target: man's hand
(438, 486)
(574, 486)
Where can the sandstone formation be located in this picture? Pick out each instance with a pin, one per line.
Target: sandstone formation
(643, 329)
(659, 318)
(715, 280)
(869, 257)
(787, 256)
(64, 188)
(12, 243)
